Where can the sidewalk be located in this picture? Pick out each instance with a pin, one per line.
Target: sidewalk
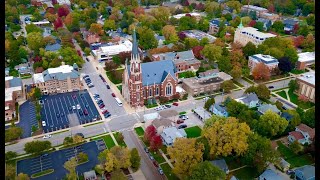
(165, 157)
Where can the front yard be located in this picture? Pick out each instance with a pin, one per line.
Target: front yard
(294, 99)
(168, 171)
(282, 94)
(193, 132)
(116, 76)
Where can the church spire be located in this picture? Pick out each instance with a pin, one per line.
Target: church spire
(135, 52)
(240, 25)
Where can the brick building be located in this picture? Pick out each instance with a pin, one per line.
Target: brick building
(143, 81)
(305, 59)
(92, 38)
(267, 60)
(306, 83)
(13, 92)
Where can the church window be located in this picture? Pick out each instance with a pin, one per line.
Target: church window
(150, 92)
(169, 89)
(157, 91)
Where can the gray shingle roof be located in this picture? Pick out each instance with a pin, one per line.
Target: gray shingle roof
(307, 171)
(15, 82)
(220, 108)
(59, 76)
(265, 107)
(269, 174)
(287, 116)
(221, 164)
(156, 72)
(184, 55)
(249, 98)
(53, 47)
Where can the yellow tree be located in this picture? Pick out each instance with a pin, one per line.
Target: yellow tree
(170, 34)
(117, 157)
(186, 153)
(71, 167)
(226, 136)
(77, 139)
(96, 28)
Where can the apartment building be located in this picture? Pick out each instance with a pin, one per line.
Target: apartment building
(259, 10)
(305, 59)
(214, 25)
(267, 60)
(104, 53)
(270, 16)
(14, 92)
(243, 35)
(58, 80)
(306, 83)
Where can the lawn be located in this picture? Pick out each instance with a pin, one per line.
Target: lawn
(285, 151)
(187, 74)
(296, 71)
(168, 172)
(158, 157)
(164, 149)
(246, 173)
(139, 131)
(120, 88)
(282, 94)
(193, 132)
(294, 99)
(107, 139)
(121, 143)
(115, 78)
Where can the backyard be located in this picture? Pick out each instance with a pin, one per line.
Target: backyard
(193, 132)
(246, 173)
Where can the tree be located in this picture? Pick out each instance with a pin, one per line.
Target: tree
(33, 28)
(271, 124)
(117, 157)
(204, 41)
(263, 91)
(68, 140)
(70, 56)
(96, 28)
(187, 23)
(191, 42)
(203, 25)
(252, 23)
(279, 104)
(149, 133)
(209, 103)
(71, 167)
(261, 72)
(197, 51)
(10, 155)
(110, 66)
(116, 60)
(58, 23)
(211, 7)
(278, 26)
(22, 176)
(229, 128)
(186, 154)
(146, 38)
(206, 171)
(37, 147)
(236, 72)
(249, 49)
(259, 25)
(10, 171)
(293, 85)
(77, 139)
(35, 41)
(310, 20)
(170, 34)
(83, 157)
(235, 108)
(135, 158)
(309, 43)
(285, 65)
(155, 143)
(260, 152)
(224, 64)
(118, 175)
(295, 120)
(296, 147)
(309, 117)
(63, 11)
(37, 93)
(109, 24)
(13, 133)
(212, 52)
(308, 8)
(227, 86)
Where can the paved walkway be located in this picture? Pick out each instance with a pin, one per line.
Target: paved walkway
(165, 157)
(138, 175)
(286, 90)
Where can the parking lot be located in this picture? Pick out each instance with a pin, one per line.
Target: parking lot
(56, 160)
(60, 111)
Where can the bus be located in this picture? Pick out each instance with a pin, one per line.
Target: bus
(118, 101)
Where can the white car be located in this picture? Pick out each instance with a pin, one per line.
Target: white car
(78, 106)
(43, 123)
(73, 107)
(47, 136)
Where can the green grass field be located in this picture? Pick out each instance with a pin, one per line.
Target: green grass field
(168, 171)
(158, 157)
(193, 132)
(121, 143)
(294, 99)
(139, 131)
(282, 94)
(108, 140)
(246, 173)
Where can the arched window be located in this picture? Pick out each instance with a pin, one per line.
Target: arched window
(150, 92)
(168, 89)
(157, 91)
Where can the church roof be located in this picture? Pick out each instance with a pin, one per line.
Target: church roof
(155, 72)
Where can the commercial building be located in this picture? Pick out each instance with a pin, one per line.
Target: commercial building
(207, 84)
(196, 15)
(13, 92)
(305, 59)
(104, 53)
(306, 83)
(169, 135)
(267, 60)
(196, 34)
(58, 80)
(243, 35)
(143, 81)
(259, 10)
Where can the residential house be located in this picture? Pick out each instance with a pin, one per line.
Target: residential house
(169, 135)
(221, 164)
(214, 25)
(303, 134)
(172, 5)
(14, 92)
(289, 25)
(202, 114)
(305, 59)
(24, 68)
(219, 109)
(267, 23)
(306, 172)
(160, 40)
(251, 100)
(306, 83)
(161, 124)
(269, 61)
(183, 61)
(90, 175)
(265, 107)
(270, 174)
(286, 116)
(92, 38)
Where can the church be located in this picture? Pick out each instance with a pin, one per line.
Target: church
(143, 81)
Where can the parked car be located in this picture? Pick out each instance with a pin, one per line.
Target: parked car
(113, 95)
(43, 124)
(101, 106)
(179, 121)
(175, 104)
(87, 59)
(100, 75)
(47, 136)
(61, 115)
(85, 76)
(183, 116)
(283, 107)
(103, 79)
(146, 150)
(164, 107)
(73, 107)
(74, 96)
(168, 106)
(105, 111)
(270, 87)
(160, 171)
(108, 87)
(87, 105)
(58, 115)
(85, 112)
(155, 163)
(289, 172)
(106, 115)
(182, 126)
(151, 157)
(44, 155)
(78, 106)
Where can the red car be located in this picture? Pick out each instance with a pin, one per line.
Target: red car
(179, 121)
(105, 111)
(101, 106)
(74, 96)
(113, 95)
(85, 112)
(155, 163)
(175, 104)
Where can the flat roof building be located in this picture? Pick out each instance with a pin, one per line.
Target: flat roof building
(267, 60)
(306, 83)
(196, 34)
(243, 35)
(305, 59)
(107, 52)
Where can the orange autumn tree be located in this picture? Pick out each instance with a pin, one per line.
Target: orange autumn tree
(261, 72)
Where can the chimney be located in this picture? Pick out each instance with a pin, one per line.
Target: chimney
(63, 63)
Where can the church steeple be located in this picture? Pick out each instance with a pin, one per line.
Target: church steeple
(135, 52)
(240, 25)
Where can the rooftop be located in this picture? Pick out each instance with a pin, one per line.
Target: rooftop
(162, 122)
(308, 171)
(59, 73)
(265, 107)
(306, 128)
(199, 35)
(270, 174)
(266, 59)
(124, 46)
(256, 8)
(196, 82)
(306, 56)
(255, 32)
(178, 16)
(297, 135)
(184, 55)
(170, 134)
(202, 113)
(308, 77)
(248, 98)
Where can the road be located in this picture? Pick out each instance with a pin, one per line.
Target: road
(147, 167)
(280, 84)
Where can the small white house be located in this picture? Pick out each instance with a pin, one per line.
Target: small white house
(169, 135)
(251, 100)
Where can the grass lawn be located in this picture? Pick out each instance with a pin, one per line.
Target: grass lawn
(121, 143)
(168, 172)
(183, 112)
(294, 99)
(151, 106)
(282, 94)
(117, 78)
(164, 149)
(158, 157)
(187, 74)
(246, 173)
(107, 139)
(193, 132)
(296, 71)
(120, 88)
(139, 131)
(285, 151)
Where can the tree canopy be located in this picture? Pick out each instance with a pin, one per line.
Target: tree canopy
(206, 171)
(271, 124)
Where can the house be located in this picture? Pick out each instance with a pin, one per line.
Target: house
(169, 135)
(267, 23)
(306, 83)
(289, 25)
(214, 25)
(24, 68)
(303, 134)
(92, 38)
(90, 175)
(221, 164)
(7, 71)
(286, 116)
(269, 61)
(305, 59)
(209, 73)
(265, 107)
(161, 124)
(160, 40)
(14, 92)
(251, 100)
(172, 5)
(219, 109)
(306, 172)
(270, 174)
(202, 114)
(283, 165)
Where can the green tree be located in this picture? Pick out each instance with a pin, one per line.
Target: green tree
(83, 157)
(170, 34)
(295, 120)
(37, 93)
(250, 117)
(68, 140)
(208, 103)
(146, 38)
(235, 108)
(187, 23)
(135, 158)
(206, 171)
(227, 86)
(109, 24)
(70, 56)
(13, 133)
(71, 167)
(309, 117)
(206, 151)
(117, 157)
(35, 41)
(118, 175)
(191, 42)
(212, 52)
(236, 72)
(37, 147)
(293, 85)
(224, 64)
(279, 104)
(22, 176)
(249, 49)
(263, 91)
(10, 171)
(10, 155)
(33, 28)
(204, 41)
(296, 147)
(278, 26)
(116, 59)
(203, 24)
(271, 124)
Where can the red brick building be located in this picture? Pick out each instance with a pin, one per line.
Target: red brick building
(143, 81)
(92, 38)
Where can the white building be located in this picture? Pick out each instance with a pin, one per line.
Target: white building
(194, 14)
(305, 59)
(267, 60)
(243, 35)
(169, 135)
(106, 52)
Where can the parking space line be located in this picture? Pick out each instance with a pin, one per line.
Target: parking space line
(54, 102)
(85, 98)
(47, 104)
(55, 114)
(76, 108)
(62, 107)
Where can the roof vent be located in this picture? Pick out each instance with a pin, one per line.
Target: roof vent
(148, 75)
(155, 74)
(308, 76)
